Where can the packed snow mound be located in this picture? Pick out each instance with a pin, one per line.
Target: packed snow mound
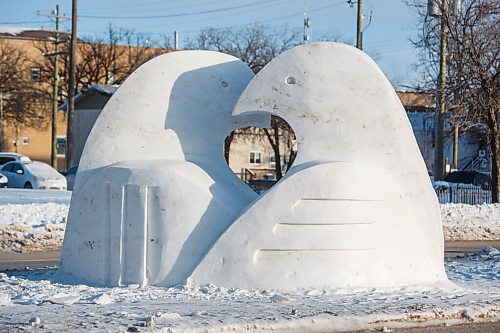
(471, 222)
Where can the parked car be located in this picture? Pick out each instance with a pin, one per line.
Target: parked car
(33, 174)
(70, 176)
(469, 177)
(4, 181)
(6, 157)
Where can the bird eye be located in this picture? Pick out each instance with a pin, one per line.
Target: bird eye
(290, 80)
(224, 84)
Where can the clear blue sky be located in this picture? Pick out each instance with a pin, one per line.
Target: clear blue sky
(392, 24)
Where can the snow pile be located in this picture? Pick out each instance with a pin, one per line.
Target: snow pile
(471, 222)
(32, 299)
(35, 220)
(32, 227)
(22, 196)
(32, 220)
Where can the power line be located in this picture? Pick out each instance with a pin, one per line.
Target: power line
(215, 17)
(243, 24)
(23, 22)
(210, 11)
(145, 5)
(142, 4)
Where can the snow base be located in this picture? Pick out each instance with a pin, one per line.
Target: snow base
(28, 227)
(35, 294)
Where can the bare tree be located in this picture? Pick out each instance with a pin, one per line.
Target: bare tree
(103, 60)
(111, 60)
(472, 87)
(255, 45)
(22, 98)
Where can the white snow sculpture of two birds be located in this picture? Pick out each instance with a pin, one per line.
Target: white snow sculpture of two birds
(356, 209)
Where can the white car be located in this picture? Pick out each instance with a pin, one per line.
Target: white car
(11, 157)
(33, 174)
(3, 180)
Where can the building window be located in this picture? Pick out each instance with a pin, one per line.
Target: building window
(36, 74)
(61, 146)
(110, 78)
(272, 159)
(26, 140)
(255, 157)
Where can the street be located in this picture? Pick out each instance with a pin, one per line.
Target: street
(15, 260)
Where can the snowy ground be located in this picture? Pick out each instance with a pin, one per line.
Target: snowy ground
(35, 220)
(34, 300)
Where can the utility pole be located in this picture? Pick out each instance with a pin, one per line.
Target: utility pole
(359, 22)
(71, 89)
(55, 93)
(55, 87)
(359, 29)
(436, 10)
(1, 123)
(440, 172)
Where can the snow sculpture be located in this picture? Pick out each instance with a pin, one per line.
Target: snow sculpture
(155, 203)
(357, 209)
(153, 191)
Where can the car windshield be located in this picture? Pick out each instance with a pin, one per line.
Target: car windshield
(42, 170)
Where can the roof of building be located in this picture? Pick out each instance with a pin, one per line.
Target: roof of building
(28, 33)
(417, 100)
(102, 89)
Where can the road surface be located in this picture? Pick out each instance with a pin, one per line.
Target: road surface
(14, 260)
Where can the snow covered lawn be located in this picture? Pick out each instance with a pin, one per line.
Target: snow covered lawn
(35, 220)
(34, 300)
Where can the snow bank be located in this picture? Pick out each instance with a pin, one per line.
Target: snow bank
(471, 222)
(22, 196)
(35, 220)
(32, 227)
(32, 220)
(30, 299)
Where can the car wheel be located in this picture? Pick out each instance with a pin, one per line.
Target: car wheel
(28, 185)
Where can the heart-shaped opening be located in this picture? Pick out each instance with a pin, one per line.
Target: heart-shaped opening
(261, 156)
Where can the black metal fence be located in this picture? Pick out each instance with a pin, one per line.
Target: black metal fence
(463, 193)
